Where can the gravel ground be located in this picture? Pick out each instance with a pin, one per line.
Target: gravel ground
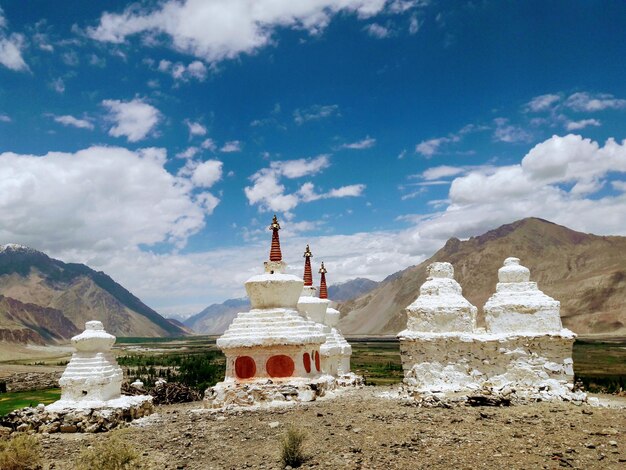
(361, 429)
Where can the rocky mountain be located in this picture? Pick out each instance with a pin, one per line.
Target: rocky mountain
(45, 300)
(214, 319)
(350, 289)
(586, 272)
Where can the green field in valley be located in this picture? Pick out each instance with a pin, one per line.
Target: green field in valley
(600, 366)
(15, 400)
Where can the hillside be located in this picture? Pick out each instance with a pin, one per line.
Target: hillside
(585, 272)
(215, 318)
(45, 300)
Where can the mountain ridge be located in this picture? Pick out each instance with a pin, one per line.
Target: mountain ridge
(583, 271)
(76, 292)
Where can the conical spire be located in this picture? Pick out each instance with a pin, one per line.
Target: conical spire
(308, 276)
(275, 253)
(323, 289)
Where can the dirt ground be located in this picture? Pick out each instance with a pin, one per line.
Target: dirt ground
(360, 429)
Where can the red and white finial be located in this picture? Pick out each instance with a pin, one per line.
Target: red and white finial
(323, 289)
(308, 276)
(275, 253)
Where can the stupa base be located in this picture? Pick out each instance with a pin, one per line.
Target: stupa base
(231, 394)
(537, 366)
(79, 417)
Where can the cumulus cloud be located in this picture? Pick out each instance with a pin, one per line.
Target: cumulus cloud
(68, 120)
(270, 194)
(133, 119)
(207, 173)
(224, 29)
(315, 113)
(365, 143)
(97, 199)
(4, 118)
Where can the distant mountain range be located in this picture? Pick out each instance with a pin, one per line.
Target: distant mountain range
(215, 318)
(586, 272)
(44, 300)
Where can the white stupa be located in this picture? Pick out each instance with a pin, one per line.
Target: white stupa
(93, 379)
(523, 348)
(518, 306)
(272, 343)
(441, 307)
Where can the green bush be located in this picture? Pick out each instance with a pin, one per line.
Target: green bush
(20, 453)
(292, 448)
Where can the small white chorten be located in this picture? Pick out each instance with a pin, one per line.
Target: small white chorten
(441, 307)
(93, 379)
(518, 306)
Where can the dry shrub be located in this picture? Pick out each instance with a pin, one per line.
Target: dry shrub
(113, 452)
(20, 453)
(292, 448)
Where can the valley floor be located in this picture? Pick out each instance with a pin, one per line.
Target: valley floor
(362, 429)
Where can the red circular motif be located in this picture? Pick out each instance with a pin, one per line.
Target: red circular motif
(317, 361)
(280, 366)
(245, 367)
(307, 362)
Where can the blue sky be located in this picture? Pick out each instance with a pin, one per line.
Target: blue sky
(155, 140)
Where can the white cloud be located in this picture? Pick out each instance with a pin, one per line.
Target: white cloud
(4, 118)
(188, 153)
(270, 194)
(203, 174)
(58, 85)
(584, 101)
(542, 102)
(414, 25)
(442, 171)
(377, 31)
(231, 146)
(100, 199)
(11, 46)
(430, 147)
(315, 113)
(308, 193)
(209, 144)
(181, 72)
(366, 143)
(224, 29)
(195, 128)
(74, 122)
(132, 119)
(576, 125)
(505, 132)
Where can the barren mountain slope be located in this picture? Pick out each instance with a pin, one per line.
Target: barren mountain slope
(587, 273)
(74, 291)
